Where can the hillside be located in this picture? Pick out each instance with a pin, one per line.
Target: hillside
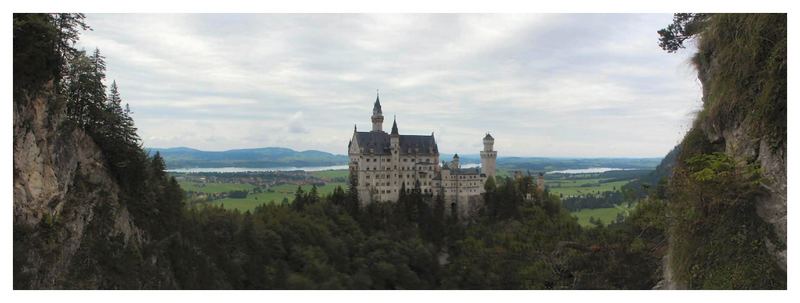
(267, 157)
(90, 208)
(727, 191)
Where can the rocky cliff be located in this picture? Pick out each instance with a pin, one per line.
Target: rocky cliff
(728, 202)
(64, 198)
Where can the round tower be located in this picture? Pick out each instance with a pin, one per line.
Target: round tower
(377, 116)
(488, 156)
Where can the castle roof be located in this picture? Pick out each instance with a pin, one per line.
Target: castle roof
(376, 108)
(466, 171)
(379, 144)
(394, 127)
(488, 137)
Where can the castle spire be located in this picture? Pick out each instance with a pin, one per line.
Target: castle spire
(377, 115)
(376, 108)
(394, 127)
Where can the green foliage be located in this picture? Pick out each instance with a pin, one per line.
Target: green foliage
(42, 42)
(742, 59)
(717, 239)
(684, 26)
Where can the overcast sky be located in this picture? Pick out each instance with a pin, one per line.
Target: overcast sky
(577, 85)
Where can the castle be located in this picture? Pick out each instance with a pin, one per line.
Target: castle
(384, 163)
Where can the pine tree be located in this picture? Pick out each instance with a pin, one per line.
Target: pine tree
(158, 166)
(299, 199)
(313, 196)
(353, 205)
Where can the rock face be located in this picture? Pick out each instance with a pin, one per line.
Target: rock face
(741, 144)
(60, 184)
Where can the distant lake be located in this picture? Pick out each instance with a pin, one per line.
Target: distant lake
(253, 169)
(593, 170)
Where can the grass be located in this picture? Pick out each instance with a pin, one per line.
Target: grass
(606, 215)
(331, 174)
(276, 196)
(579, 186)
(214, 187)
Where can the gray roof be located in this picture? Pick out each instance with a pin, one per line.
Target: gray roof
(394, 127)
(379, 142)
(488, 137)
(376, 108)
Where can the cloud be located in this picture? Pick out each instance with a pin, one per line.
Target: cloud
(296, 124)
(545, 85)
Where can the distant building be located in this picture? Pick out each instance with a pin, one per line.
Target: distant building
(540, 182)
(385, 162)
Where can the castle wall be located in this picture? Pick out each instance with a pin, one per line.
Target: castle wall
(380, 177)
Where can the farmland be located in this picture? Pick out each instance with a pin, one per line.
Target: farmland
(246, 190)
(274, 194)
(575, 187)
(606, 215)
(277, 186)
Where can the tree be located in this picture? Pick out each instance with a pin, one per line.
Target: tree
(353, 204)
(438, 220)
(313, 196)
(158, 165)
(43, 43)
(299, 199)
(684, 26)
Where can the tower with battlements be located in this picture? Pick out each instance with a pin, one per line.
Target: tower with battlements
(488, 156)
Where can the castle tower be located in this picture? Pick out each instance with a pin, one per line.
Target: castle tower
(456, 162)
(488, 156)
(377, 116)
(394, 139)
(540, 182)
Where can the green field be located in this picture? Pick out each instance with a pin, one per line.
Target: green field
(330, 174)
(276, 196)
(214, 187)
(569, 187)
(606, 215)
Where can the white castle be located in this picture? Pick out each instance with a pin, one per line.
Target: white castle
(385, 163)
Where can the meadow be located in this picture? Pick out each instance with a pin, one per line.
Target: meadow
(574, 187)
(564, 186)
(212, 187)
(274, 194)
(606, 215)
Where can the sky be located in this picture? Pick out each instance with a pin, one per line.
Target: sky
(552, 85)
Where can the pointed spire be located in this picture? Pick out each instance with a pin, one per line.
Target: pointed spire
(376, 109)
(455, 156)
(355, 128)
(394, 127)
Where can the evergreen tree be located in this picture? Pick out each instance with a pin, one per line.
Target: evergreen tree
(353, 205)
(299, 202)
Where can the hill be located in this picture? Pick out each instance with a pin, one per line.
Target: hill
(267, 157)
